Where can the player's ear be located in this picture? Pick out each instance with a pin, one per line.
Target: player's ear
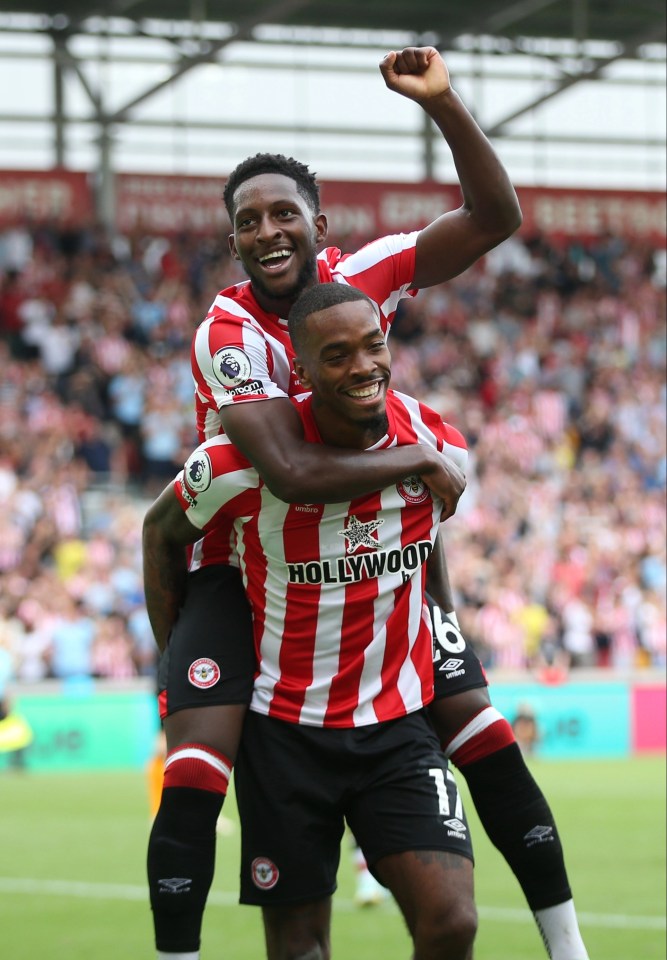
(232, 246)
(302, 374)
(321, 227)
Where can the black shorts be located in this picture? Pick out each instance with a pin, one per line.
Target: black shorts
(209, 659)
(456, 667)
(297, 785)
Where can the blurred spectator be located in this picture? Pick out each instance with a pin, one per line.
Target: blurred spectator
(161, 427)
(525, 728)
(111, 654)
(11, 301)
(72, 638)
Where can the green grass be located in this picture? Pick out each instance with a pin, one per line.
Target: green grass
(72, 881)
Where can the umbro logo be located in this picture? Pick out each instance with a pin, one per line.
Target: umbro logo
(456, 828)
(175, 885)
(456, 824)
(451, 664)
(538, 834)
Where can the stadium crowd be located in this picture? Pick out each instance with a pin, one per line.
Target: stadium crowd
(550, 358)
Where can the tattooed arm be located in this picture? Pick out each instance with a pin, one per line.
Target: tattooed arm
(166, 532)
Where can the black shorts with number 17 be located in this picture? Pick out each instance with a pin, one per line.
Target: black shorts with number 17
(297, 786)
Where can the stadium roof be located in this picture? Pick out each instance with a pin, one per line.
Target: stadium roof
(629, 24)
(625, 28)
(577, 40)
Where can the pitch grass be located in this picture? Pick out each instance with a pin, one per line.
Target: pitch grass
(72, 885)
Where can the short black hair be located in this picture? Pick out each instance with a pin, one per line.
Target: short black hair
(320, 296)
(306, 183)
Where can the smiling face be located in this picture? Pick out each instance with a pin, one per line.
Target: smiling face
(276, 236)
(345, 361)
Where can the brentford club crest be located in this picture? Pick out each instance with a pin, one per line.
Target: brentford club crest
(413, 490)
(204, 673)
(264, 873)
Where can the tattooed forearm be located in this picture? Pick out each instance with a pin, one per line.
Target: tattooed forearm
(165, 579)
(165, 534)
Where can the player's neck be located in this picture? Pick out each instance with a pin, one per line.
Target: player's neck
(280, 306)
(337, 432)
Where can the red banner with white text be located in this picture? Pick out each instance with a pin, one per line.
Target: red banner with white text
(365, 210)
(559, 213)
(60, 197)
(168, 204)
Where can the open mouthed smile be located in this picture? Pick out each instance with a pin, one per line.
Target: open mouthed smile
(368, 392)
(276, 259)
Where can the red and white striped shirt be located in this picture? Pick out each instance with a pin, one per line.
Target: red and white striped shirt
(342, 636)
(242, 353)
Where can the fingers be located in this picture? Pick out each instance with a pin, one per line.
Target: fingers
(409, 60)
(387, 66)
(412, 60)
(449, 506)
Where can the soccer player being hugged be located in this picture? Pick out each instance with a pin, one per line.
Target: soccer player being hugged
(337, 731)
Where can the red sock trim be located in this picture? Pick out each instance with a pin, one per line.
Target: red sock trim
(483, 742)
(198, 766)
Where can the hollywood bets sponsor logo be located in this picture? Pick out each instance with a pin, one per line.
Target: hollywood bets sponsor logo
(360, 534)
(231, 367)
(265, 873)
(204, 673)
(413, 490)
(365, 566)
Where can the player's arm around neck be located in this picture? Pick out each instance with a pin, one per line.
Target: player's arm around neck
(269, 433)
(490, 212)
(165, 534)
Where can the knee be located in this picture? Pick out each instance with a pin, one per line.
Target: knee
(449, 934)
(299, 934)
(315, 951)
(300, 949)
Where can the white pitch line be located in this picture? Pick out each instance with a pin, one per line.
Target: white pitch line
(120, 891)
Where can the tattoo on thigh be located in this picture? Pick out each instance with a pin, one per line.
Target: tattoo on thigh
(450, 861)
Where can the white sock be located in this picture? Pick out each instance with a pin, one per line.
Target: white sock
(359, 859)
(560, 932)
(177, 956)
